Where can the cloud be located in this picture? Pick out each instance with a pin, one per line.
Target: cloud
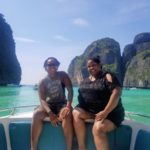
(25, 40)
(60, 38)
(137, 7)
(80, 22)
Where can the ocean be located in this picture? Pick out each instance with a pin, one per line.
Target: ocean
(134, 100)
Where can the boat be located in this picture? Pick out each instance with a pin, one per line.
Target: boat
(133, 88)
(35, 87)
(15, 133)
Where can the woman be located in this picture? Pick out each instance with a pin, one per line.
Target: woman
(99, 99)
(54, 103)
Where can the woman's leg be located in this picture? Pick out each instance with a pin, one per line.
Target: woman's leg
(36, 127)
(100, 130)
(79, 117)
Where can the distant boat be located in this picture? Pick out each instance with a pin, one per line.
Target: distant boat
(133, 88)
(35, 87)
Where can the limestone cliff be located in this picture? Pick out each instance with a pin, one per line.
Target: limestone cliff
(10, 70)
(109, 51)
(137, 67)
(132, 68)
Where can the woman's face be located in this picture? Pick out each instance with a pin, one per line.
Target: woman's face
(93, 68)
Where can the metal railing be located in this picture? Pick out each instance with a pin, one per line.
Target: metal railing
(13, 109)
(130, 114)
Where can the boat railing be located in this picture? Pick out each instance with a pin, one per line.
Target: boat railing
(13, 109)
(130, 114)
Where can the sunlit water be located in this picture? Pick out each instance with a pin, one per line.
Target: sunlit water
(137, 100)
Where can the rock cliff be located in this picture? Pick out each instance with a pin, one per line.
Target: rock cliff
(132, 68)
(137, 66)
(10, 70)
(109, 51)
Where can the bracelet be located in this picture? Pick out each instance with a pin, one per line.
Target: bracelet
(68, 106)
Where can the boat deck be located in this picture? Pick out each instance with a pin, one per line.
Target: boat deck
(15, 135)
(52, 138)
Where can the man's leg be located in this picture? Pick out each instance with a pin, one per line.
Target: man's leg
(36, 127)
(67, 126)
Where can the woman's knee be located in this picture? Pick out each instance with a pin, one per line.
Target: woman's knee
(99, 129)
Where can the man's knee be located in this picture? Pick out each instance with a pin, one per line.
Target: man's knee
(39, 114)
(76, 114)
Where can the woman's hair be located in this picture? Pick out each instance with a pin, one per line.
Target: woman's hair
(51, 61)
(96, 59)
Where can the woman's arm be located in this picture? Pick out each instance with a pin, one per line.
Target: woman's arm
(113, 100)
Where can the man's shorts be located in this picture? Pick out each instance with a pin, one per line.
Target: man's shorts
(57, 106)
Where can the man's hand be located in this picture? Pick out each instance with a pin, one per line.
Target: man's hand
(53, 119)
(65, 112)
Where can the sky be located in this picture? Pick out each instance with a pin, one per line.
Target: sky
(64, 28)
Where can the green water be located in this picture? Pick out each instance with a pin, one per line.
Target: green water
(137, 100)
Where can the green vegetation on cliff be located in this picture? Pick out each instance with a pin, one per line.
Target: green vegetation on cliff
(138, 72)
(109, 51)
(132, 68)
(137, 62)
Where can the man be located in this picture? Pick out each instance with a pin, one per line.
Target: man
(54, 103)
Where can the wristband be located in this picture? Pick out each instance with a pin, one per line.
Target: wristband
(68, 106)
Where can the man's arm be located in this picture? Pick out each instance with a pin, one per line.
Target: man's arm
(69, 88)
(53, 118)
(42, 96)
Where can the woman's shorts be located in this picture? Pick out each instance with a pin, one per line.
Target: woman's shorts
(116, 116)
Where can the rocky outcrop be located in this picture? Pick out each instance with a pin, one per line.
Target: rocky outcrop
(109, 51)
(137, 68)
(132, 68)
(10, 70)
(138, 71)
(128, 53)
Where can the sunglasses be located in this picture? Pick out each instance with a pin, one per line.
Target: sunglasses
(51, 65)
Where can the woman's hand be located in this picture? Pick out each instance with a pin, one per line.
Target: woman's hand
(100, 116)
